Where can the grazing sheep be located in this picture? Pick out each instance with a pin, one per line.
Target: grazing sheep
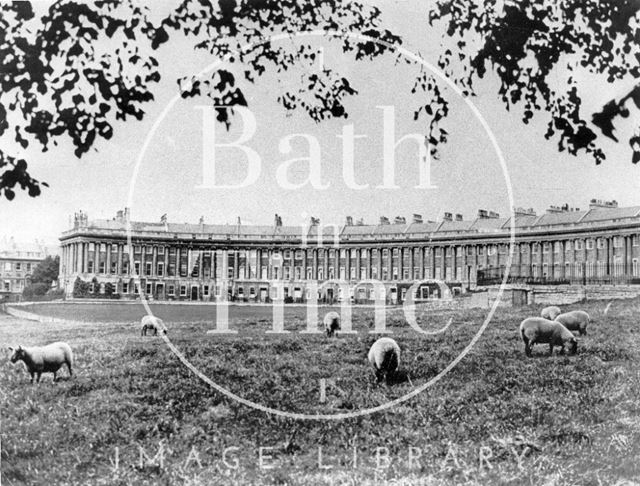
(551, 312)
(384, 355)
(576, 320)
(331, 323)
(44, 359)
(539, 330)
(152, 323)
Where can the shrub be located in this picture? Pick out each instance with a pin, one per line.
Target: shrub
(80, 288)
(35, 290)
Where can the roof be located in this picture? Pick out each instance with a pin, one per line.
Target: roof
(412, 230)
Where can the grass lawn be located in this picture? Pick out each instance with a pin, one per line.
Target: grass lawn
(135, 414)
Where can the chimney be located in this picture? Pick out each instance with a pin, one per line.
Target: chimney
(315, 221)
(349, 221)
(384, 220)
(399, 220)
(598, 203)
(360, 222)
(126, 214)
(417, 218)
(277, 220)
(120, 216)
(458, 217)
(447, 217)
(201, 224)
(517, 211)
(484, 214)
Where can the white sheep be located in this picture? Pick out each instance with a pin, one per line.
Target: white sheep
(576, 320)
(331, 323)
(384, 355)
(44, 359)
(540, 330)
(551, 312)
(152, 323)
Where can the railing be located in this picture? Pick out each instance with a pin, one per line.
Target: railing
(573, 273)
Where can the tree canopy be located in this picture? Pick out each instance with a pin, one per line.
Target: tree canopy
(526, 42)
(83, 67)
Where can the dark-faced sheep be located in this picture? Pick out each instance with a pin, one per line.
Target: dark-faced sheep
(576, 320)
(384, 355)
(331, 323)
(551, 312)
(536, 330)
(152, 324)
(44, 359)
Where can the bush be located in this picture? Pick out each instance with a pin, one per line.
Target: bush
(35, 290)
(80, 288)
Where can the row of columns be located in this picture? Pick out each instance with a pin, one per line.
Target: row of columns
(443, 261)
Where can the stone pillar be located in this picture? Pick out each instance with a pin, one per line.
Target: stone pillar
(120, 250)
(358, 264)
(177, 262)
(401, 263)
(443, 263)
(154, 261)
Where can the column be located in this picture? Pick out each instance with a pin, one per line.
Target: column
(84, 258)
(443, 263)
(119, 263)
(177, 262)
(258, 264)
(315, 263)
(225, 264)
(358, 264)
(401, 263)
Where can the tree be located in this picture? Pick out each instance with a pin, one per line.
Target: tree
(527, 42)
(46, 271)
(82, 67)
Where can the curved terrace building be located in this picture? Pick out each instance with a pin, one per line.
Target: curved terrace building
(260, 263)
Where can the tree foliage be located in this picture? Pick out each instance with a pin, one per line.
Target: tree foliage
(83, 66)
(527, 43)
(46, 271)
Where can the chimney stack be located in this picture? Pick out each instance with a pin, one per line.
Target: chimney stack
(417, 218)
(599, 203)
(447, 217)
(458, 217)
(399, 220)
(349, 221)
(384, 220)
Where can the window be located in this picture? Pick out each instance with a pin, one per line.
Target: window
(183, 290)
(523, 248)
(600, 243)
(160, 269)
(92, 247)
(136, 289)
(205, 291)
(589, 244)
(172, 290)
(125, 287)
(568, 246)
(149, 250)
(535, 248)
(147, 268)
(114, 267)
(137, 249)
(470, 250)
(229, 272)
(634, 240)
(545, 248)
(7, 266)
(90, 266)
(92, 288)
(481, 250)
(136, 268)
(556, 247)
(18, 266)
(617, 242)
(28, 267)
(161, 250)
(149, 290)
(395, 273)
(492, 250)
(7, 285)
(125, 266)
(101, 267)
(287, 254)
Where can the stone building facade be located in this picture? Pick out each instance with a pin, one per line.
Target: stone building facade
(17, 262)
(356, 261)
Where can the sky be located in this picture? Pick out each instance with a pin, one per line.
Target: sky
(171, 176)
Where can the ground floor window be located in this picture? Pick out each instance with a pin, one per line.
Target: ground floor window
(149, 289)
(205, 291)
(136, 290)
(171, 290)
(183, 290)
(125, 287)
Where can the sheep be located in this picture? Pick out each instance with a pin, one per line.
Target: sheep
(152, 323)
(576, 320)
(384, 355)
(551, 312)
(331, 323)
(540, 330)
(44, 359)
